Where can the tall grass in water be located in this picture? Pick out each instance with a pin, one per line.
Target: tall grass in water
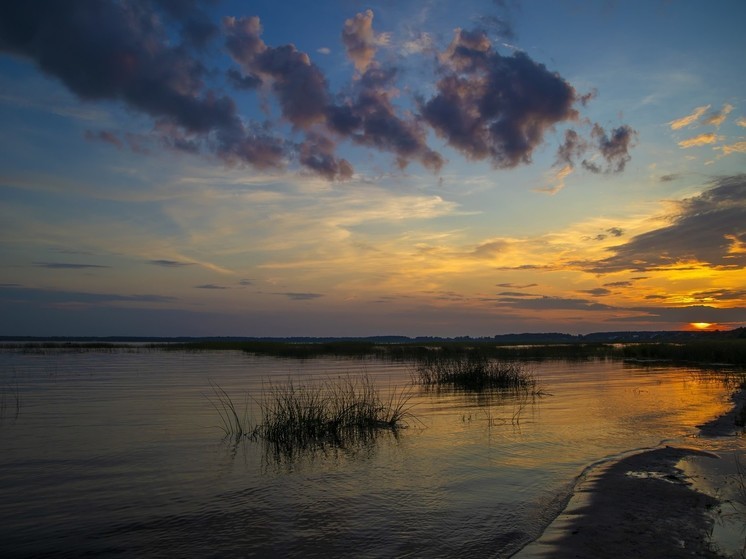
(335, 411)
(301, 415)
(235, 421)
(475, 373)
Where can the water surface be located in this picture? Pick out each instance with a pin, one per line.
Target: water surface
(118, 454)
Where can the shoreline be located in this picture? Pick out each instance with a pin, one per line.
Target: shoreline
(654, 503)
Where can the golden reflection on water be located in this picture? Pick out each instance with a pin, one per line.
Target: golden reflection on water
(488, 468)
(586, 408)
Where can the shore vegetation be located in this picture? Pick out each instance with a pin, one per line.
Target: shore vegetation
(475, 373)
(296, 415)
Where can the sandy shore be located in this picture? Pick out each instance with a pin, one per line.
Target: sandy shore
(646, 505)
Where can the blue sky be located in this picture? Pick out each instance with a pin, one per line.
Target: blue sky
(421, 168)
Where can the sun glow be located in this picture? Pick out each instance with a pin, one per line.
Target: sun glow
(702, 325)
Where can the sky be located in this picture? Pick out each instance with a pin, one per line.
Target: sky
(341, 168)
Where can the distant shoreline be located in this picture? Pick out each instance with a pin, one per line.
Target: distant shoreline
(630, 336)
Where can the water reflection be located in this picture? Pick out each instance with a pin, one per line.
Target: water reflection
(117, 453)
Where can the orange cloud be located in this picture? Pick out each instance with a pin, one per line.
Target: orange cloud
(718, 117)
(738, 147)
(689, 119)
(556, 181)
(701, 140)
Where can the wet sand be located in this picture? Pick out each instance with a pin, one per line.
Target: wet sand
(643, 506)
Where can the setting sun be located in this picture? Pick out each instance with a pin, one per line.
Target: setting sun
(702, 325)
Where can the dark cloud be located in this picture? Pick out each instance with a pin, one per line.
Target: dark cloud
(107, 50)
(196, 28)
(618, 284)
(51, 296)
(517, 286)
(254, 144)
(514, 294)
(554, 303)
(121, 51)
(597, 292)
(611, 231)
(67, 265)
(670, 177)
(573, 148)
(240, 81)
(299, 84)
(146, 54)
(599, 237)
(170, 263)
(246, 282)
(370, 119)
(685, 315)
(104, 136)
(300, 296)
(720, 295)
(496, 107)
(526, 267)
(317, 153)
(709, 229)
(209, 286)
(614, 149)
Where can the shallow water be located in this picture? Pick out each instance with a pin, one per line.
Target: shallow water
(117, 454)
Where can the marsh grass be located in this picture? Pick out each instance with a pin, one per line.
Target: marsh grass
(235, 421)
(475, 373)
(295, 415)
(707, 352)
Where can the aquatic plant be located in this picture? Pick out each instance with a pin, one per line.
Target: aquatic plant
(298, 415)
(329, 411)
(234, 423)
(474, 372)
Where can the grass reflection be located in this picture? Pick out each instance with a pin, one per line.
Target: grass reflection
(300, 417)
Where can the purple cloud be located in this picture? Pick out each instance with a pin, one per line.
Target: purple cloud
(146, 55)
(170, 263)
(495, 107)
(67, 265)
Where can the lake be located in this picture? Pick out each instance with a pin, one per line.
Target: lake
(117, 453)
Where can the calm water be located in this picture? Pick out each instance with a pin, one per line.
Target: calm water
(117, 454)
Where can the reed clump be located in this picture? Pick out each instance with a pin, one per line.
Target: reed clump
(299, 415)
(474, 372)
(334, 411)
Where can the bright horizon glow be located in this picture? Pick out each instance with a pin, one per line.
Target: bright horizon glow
(282, 169)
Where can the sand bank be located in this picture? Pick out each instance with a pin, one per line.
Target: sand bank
(659, 503)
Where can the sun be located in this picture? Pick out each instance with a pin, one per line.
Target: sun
(702, 325)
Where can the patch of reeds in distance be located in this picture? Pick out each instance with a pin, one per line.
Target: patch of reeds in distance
(296, 416)
(475, 373)
(727, 352)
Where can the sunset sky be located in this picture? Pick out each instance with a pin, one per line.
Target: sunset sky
(335, 168)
